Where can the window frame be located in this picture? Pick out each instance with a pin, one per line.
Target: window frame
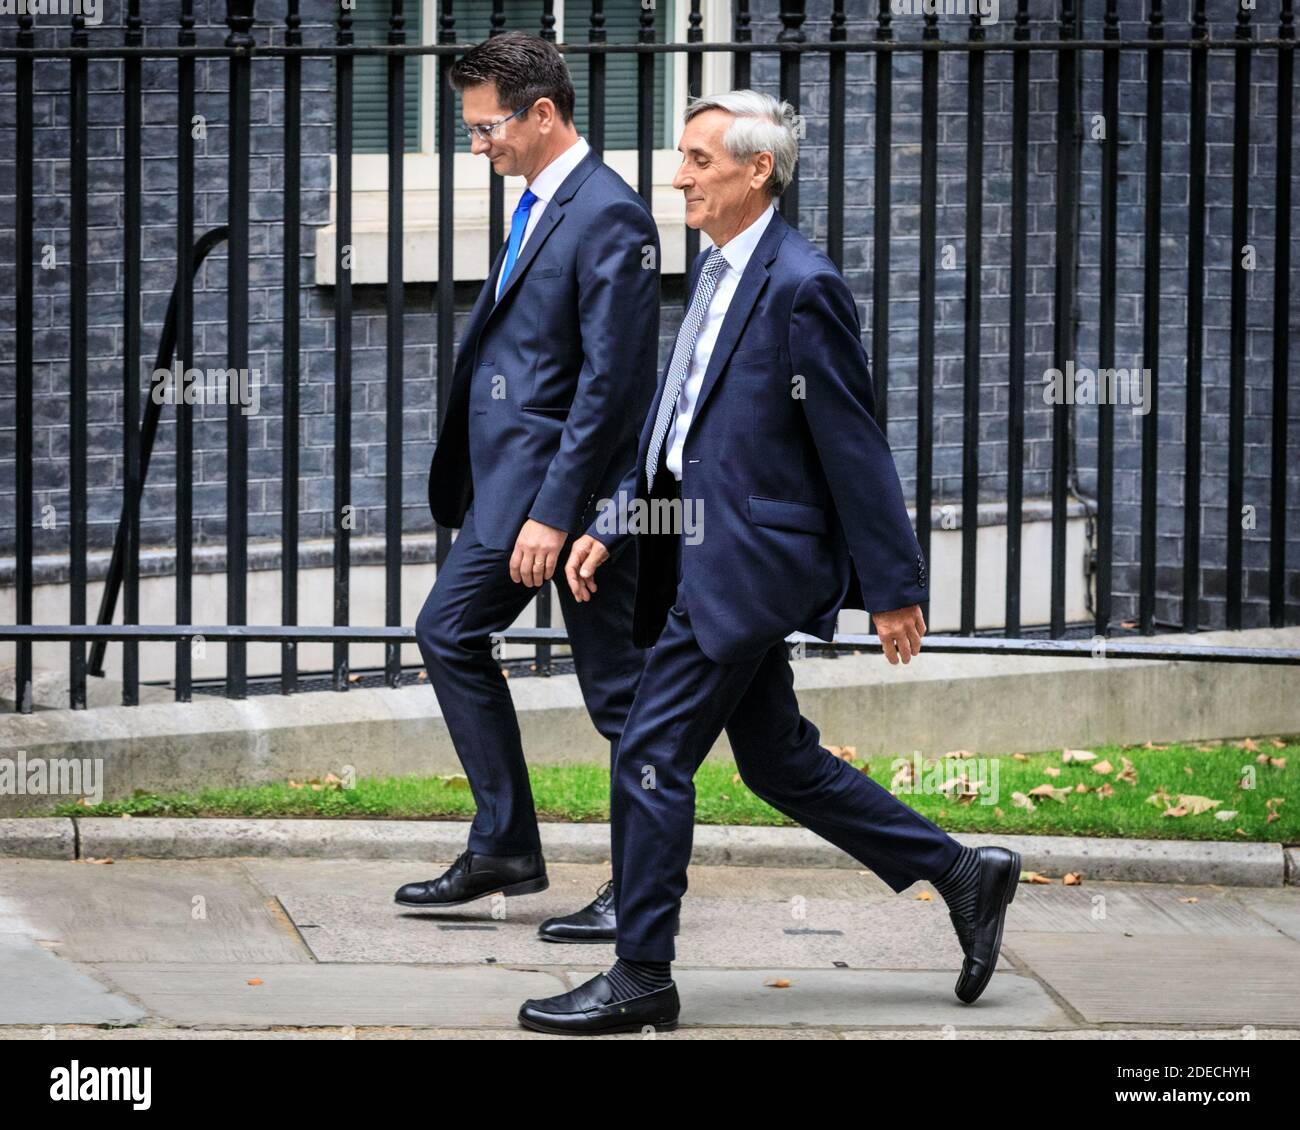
(472, 175)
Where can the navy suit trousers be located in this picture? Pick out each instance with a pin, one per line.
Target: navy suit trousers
(684, 701)
(474, 597)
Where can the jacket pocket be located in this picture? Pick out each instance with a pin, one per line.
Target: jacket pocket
(540, 410)
(754, 353)
(786, 514)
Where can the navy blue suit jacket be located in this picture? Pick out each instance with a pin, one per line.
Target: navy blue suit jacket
(802, 512)
(553, 378)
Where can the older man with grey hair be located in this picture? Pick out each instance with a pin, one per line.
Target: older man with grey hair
(764, 423)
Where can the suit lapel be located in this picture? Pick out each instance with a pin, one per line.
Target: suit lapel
(551, 217)
(742, 302)
(483, 304)
(647, 426)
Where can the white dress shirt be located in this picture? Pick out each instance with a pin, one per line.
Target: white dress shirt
(736, 251)
(544, 186)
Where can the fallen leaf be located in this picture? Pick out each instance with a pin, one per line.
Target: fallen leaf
(1052, 771)
(1105, 790)
(1070, 755)
(925, 896)
(1249, 744)
(455, 780)
(253, 981)
(1072, 879)
(1020, 757)
(960, 783)
(1103, 767)
(1047, 790)
(1019, 800)
(1225, 814)
(1033, 877)
(903, 777)
(777, 983)
(1190, 898)
(962, 753)
(1128, 774)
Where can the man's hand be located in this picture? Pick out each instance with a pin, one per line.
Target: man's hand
(585, 557)
(900, 632)
(537, 551)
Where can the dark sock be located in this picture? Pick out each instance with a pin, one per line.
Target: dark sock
(636, 978)
(959, 885)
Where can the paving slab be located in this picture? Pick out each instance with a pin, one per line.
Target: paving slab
(489, 997)
(1140, 908)
(730, 917)
(38, 987)
(859, 998)
(131, 911)
(1281, 909)
(1238, 981)
(90, 944)
(305, 995)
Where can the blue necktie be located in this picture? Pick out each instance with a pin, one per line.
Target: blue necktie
(518, 222)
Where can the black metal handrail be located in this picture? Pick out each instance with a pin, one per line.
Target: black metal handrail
(148, 430)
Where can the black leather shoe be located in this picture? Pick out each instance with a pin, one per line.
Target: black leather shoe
(588, 1010)
(595, 922)
(474, 876)
(981, 938)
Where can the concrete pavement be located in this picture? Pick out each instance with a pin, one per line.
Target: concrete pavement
(241, 948)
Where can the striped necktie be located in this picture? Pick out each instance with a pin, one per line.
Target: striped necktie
(714, 265)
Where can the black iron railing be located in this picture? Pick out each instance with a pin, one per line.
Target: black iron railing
(247, 40)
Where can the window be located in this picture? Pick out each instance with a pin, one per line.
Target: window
(473, 22)
(472, 176)
(370, 77)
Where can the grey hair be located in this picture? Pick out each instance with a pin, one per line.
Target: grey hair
(762, 125)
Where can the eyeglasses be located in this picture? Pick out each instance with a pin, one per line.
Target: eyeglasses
(488, 131)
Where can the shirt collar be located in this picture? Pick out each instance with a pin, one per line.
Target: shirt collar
(740, 247)
(547, 183)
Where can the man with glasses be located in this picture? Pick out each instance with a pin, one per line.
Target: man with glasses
(555, 370)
